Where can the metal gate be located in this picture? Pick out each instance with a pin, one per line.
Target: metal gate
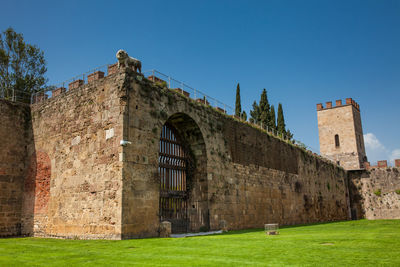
(173, 161)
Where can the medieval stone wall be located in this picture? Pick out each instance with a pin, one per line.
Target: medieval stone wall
(80, 182)
(277, 182)
(243, 176)
(375, 193)
(15, 136)
(73, 186)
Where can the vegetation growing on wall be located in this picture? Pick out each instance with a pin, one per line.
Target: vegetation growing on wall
(378, 192)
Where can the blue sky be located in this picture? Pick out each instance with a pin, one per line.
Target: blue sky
(302, 52)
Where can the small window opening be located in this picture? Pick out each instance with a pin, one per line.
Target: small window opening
(337, 142)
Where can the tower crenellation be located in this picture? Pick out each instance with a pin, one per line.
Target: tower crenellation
(338, 103)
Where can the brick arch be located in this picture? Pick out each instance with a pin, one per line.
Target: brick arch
(192, 138)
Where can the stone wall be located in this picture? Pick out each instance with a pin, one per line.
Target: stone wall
(15, 136)
(243, 177)
(81, 183)
(73, 186)
(375, 193)
(275, 182)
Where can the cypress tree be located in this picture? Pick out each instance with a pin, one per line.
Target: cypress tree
(264, 109)
(281, 120)
(272, 118)
(255, 113)
(238, 107)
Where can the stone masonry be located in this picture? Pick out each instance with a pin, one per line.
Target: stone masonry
(375, 193)
(76, 180)
(340, 134)
(74, 184)
(243, 175)
(15, 136)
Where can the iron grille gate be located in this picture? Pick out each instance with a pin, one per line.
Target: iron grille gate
(173, 189)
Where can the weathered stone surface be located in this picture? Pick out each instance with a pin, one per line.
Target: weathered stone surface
(242, 176)
(345, 122)
(75, 84)
(375, 194)
(15, 136)
(74, 185)
(81, 183)
(223, 226)
(58, 91)
(165, 229)
(95, 76)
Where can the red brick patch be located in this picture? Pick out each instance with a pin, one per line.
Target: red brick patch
(38, 180)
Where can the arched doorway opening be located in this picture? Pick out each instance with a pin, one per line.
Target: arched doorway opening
(173, 170)
(183, 175)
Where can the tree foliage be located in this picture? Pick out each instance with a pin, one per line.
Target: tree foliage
(244, 115)
(22, 67)
(264, 114)
(255, 113)
(238, 106)
(272, 118)
(264, 109)
(289, 134)
(281, 127)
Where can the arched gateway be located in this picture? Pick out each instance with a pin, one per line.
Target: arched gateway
(183, 176)
(173, 171)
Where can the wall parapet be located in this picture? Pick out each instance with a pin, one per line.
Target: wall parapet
(74, 83)
(349, 101)
(381, 164)
(97, 75)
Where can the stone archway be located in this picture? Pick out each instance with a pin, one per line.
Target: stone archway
(183, 175)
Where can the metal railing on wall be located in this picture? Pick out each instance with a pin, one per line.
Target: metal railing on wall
(157, 77)
(83, 76)
(21, 96)
(15, 95)
(173, 83)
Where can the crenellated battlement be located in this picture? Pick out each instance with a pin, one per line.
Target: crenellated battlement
(381, 164)
(349, 101)
(76, 83)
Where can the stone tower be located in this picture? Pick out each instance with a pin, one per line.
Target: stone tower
(341, 135)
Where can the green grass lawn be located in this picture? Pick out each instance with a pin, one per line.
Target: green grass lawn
(373, 243)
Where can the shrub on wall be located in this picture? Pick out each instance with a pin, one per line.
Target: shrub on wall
(378, 192)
